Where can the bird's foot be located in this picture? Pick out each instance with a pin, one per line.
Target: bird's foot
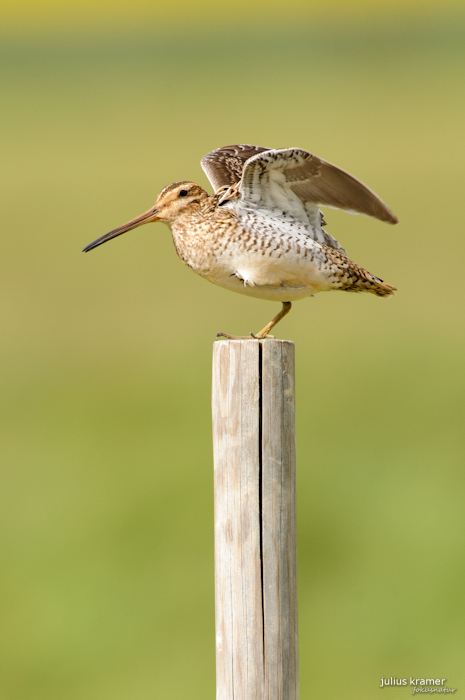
(251, 336)
(261, 337)
(232, 337)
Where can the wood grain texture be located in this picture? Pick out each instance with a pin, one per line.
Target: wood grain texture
(255, 520)
(279, 521)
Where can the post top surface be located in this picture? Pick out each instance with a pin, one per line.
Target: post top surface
(252, 340)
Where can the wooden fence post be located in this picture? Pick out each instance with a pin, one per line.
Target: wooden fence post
(253, 405)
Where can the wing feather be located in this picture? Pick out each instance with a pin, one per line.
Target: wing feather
(272, 177)
(224, 166)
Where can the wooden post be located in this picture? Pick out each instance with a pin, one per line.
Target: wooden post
(253, 405)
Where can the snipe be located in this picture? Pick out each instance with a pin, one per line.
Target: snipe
(261, 233)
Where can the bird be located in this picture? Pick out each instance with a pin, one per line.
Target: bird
(262, 232)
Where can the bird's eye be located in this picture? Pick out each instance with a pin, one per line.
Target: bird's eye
(183, 193)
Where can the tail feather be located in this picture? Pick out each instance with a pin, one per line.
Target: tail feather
(380, 287)
(351, 277)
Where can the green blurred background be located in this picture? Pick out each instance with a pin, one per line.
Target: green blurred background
(107, 499)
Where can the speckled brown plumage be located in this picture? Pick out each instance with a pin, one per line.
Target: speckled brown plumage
(261, 233)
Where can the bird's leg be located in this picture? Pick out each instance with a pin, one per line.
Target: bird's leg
(264, 332)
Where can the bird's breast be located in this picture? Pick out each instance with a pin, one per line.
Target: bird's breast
(203, 244)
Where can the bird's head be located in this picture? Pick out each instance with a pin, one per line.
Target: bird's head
(172, 202)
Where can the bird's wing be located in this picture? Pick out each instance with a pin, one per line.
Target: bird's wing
(293, 180)
(224, 166)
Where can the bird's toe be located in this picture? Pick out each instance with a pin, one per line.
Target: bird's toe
(258, 336)
(232, 337)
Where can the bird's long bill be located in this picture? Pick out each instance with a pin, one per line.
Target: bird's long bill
(145, 218)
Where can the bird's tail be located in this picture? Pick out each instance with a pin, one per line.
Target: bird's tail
(353, 278)
(379, 287)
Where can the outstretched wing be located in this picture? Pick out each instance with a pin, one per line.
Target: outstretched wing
(297, 183)
(224, 166)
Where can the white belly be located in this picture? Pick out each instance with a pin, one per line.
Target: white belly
(285, 278)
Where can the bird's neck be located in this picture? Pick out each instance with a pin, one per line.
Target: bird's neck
(196, 232)
(196, 214)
